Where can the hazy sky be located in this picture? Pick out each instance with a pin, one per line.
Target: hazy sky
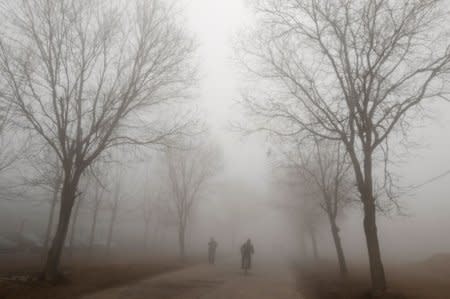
(215, 22)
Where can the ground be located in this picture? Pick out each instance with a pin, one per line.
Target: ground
(165, 278)
(157, 278)
(429, 279)
(222, 281)
(85, 275)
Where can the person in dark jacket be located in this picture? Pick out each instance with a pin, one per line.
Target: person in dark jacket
(212, 246)
(246, 253)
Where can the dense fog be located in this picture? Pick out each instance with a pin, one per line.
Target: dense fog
(206, 171)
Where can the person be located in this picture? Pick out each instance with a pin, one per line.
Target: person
(212, 246)
(246, 253)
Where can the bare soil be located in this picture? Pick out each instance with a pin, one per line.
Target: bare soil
(83, 275)
(425, 280)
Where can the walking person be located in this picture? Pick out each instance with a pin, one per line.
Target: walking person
(212, 246)
(247, 250)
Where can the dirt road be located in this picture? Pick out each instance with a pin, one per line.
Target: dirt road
(222, 281)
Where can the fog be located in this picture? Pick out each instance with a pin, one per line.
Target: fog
(240, 193)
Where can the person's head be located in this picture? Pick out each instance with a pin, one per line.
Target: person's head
(211, 239)
(249, 241)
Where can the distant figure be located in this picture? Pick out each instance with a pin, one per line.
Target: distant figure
(212, 246)
(246, 253)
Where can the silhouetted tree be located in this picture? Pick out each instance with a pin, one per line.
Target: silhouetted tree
(73, 226)
(352, 71)
(148, 211)
(114, 205)
(46, 174)
(324, 170)
(189, 171)
(96, 201)
(86, 76)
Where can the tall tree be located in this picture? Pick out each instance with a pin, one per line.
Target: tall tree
(353, 71)
(115, 205)
(46, 174)
(14, 146)
(189, 171)
(96, 205)
(73, 225)
(56, 186)
(147, 213)
(84, 75)
(324, 171)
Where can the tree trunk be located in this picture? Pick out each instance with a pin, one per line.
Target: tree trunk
(303, 249)
(339, 250)
(93, 226)
(51, 216)
(51, 271)
(146, 229)
(233, 240)
(111, 226)
(181, 233)
(370, 227)
(74, 225)
(155, 234)
(373, 247)
(314, 244)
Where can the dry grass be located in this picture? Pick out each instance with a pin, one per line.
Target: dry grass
(426, 280)
(83, 276)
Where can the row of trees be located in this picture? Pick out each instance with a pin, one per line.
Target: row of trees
(356, 73)
(166, 199)
(82, 77)
(324, 174)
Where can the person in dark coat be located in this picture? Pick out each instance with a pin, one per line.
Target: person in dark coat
(212, 246)
(246, 253)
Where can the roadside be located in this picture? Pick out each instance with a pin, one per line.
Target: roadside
(159, 278)
(425, 280)
(84, 276)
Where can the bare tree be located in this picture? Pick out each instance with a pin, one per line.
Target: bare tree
(14, 147)
(73, 225)
(114, 213)
(324, 171)
(56, 189)
(311, 230)
(352, 71)
(299, 203)
(115, 196)
(164, 220)
(147, 212)
(86, 75)
(97, 200)
(46, 174)
(153, 210)
(189, 172)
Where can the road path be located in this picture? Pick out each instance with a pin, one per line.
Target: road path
(223, 281)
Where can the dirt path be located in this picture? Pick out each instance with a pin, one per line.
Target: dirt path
(223, 281)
